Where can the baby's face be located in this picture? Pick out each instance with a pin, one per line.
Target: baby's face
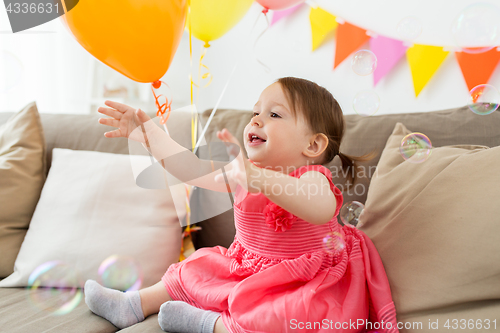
(274, 138)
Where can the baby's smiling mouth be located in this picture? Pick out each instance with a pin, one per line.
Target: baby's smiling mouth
(252, 137)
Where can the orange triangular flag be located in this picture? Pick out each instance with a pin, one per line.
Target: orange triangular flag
(477, 68)
(349, 38)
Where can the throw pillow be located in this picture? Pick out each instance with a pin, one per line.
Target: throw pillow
(22, 174)
(435, 225)
(90, 209)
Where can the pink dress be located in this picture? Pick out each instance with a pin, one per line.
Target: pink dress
(277, 275)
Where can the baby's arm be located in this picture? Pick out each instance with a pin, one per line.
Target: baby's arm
(183, 163)
(308, 197)
(179, 161)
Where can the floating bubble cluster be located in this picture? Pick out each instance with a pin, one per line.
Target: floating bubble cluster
(55, 287)
(364, 62)
(120, 272)
(484, 99)
(350, 212)
(415, 147)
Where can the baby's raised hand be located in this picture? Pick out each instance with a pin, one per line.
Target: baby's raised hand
(126, 119)
(241, 170)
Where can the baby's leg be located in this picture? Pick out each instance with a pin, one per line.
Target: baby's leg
(124, 309)
(152, 298)
(219, 327)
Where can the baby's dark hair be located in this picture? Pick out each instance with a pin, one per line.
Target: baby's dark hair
(322, 114)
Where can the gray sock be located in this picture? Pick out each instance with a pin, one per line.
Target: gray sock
(180, 317)
(121, 309)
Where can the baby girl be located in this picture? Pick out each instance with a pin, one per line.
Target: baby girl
(277, 275)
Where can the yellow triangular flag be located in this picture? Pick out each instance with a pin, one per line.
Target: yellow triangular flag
(424, 61)
(322, 23)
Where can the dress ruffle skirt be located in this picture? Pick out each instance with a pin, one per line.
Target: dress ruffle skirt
(270, 281)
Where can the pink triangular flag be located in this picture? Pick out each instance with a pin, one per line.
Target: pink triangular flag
(388, 52)
(279, 14)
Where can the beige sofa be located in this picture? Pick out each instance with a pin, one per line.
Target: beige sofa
(430, 284)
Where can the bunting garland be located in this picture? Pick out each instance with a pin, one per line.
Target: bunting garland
(424, 60)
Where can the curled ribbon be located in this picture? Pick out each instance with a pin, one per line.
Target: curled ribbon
(203, 76)
(162, 108)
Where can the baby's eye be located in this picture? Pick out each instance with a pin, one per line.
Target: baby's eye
(275, 115)
(255, 114)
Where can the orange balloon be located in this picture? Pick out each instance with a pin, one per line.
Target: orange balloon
(138, 38)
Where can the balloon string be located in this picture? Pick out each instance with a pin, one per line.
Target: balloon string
(266, 68)
(187, 231)
(194, 114)
(212, 114)
(188, 188)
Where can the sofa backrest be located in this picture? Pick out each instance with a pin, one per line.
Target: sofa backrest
(83, 132)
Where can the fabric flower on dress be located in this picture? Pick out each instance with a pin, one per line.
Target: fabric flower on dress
(278, 218)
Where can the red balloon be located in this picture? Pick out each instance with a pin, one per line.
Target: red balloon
(279, 4)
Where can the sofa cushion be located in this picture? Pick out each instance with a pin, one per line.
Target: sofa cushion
(91, 208)
(362, 135)
(149, 325)
(435, 225)
(18, 315)
(22, 174)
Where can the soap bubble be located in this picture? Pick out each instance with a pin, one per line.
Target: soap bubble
(415, 147)
(334, 242)
(366, 102)
(55, 287)
(409, 28)
(120, 272)
(350, 212)
(364, 62)
(484, 99)
(477, 28)
(11, 70)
